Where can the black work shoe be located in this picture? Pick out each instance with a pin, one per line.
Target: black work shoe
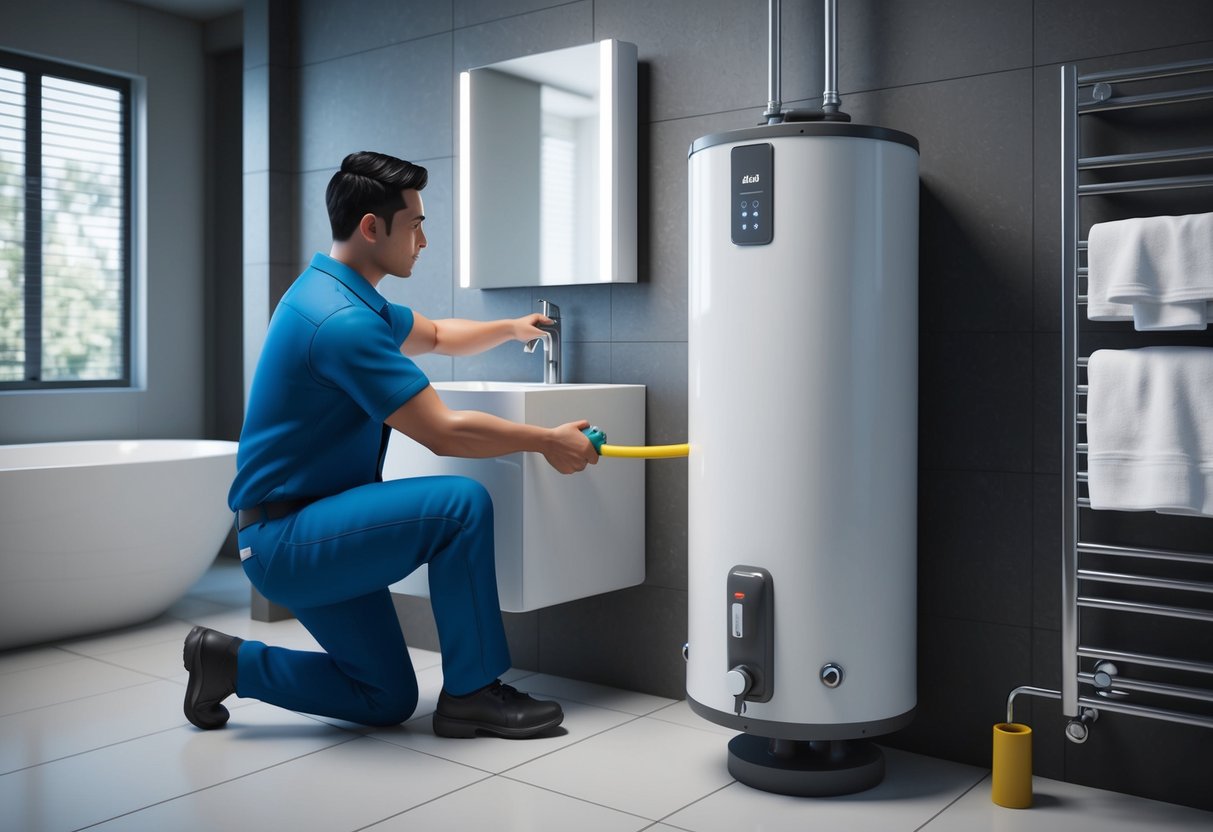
(210, 657)
(498, 710)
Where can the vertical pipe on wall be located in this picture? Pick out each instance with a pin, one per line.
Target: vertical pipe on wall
(1069, 369)
(830, 100)
(773, 115)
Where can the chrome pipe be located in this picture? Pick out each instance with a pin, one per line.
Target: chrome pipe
(829, 97)
(1136, 552)
(1164, 183)
(1031, 691)
(1150, 99)
(1070, 416)
(1145, 73)
(1099, 577)
(1091, 602)
(1121, 684)
(1188, 154)
(774, 112)
(1145, 659)
(1144, 710)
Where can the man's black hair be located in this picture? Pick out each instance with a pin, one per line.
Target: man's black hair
(369, 183)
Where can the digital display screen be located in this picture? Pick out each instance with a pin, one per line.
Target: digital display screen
(752, 194)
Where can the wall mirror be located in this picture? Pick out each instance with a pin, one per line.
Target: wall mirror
(547, 169)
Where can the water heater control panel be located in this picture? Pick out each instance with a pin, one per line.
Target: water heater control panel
(751, 617)
(752, 190)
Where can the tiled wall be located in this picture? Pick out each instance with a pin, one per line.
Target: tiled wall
(976, 82)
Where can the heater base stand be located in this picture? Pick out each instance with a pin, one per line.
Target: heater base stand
(805, 768)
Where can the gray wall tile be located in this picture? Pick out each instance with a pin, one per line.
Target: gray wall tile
(975, 401)
(975, 546)
(889, 44)
(662, 368)
(397, 100)
(631, 638)
(471, 12)
(975, 209)
(1046, 402)
(986, 661)
(503, 37)
(708, 58)
(328, 30)
(1068, 30)
(1046, 551)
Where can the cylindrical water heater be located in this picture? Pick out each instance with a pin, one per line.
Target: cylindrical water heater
(802, 481)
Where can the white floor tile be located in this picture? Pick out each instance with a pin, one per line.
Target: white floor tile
(914, 790)
(1065, 807)
(348, 786)
(62, 682)
(542, 685)
(498, 755)
(423, 659)
(503, 805)
(163, 659)
(680, 713)
(28, 658)
(88, 788)
(646, 767)
(43, 734)
(128, 638)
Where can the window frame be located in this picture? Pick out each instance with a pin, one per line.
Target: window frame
(34, 69)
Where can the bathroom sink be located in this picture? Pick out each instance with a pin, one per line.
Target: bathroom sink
(558, 537)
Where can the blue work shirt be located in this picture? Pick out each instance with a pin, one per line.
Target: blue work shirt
(330, 373)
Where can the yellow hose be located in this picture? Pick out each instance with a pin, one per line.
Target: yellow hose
(646, 451)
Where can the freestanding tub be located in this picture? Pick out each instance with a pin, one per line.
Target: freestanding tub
(102, 534)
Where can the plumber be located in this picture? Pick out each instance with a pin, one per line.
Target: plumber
(320, 532)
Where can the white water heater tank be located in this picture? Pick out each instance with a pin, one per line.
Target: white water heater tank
(802, 477)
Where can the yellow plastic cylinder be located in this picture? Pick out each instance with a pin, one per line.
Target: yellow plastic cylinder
(1011, 775)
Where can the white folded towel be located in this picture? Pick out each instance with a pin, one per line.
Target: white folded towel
(1155, 271)
(1150, 430)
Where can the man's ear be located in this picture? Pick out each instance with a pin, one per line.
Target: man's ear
(368, 227)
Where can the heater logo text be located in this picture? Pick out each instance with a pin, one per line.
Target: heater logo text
(749, 179)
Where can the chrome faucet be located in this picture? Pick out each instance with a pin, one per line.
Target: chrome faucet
(551, 342)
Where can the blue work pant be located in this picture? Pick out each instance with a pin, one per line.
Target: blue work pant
(331, 563)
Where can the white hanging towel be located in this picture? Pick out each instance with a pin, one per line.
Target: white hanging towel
(1150, 430)
(1155, 271)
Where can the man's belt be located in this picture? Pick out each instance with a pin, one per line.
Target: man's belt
(275, 510)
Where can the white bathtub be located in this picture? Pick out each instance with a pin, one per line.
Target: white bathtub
(95, 535)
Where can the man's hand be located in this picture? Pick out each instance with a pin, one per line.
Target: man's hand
(527, 328)
(570, 450)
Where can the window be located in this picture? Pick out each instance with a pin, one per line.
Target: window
(65, 219)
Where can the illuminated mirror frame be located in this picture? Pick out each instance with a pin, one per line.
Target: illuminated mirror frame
(616, 232)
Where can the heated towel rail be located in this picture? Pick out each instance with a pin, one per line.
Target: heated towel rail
(1117, 592)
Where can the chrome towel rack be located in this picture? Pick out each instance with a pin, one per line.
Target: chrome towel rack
(1103, 578)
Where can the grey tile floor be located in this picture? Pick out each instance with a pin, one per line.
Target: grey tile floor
(92, 736)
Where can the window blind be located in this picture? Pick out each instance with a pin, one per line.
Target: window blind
(64, 227)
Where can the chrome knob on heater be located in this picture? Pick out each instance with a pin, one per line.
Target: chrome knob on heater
(739, 683)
